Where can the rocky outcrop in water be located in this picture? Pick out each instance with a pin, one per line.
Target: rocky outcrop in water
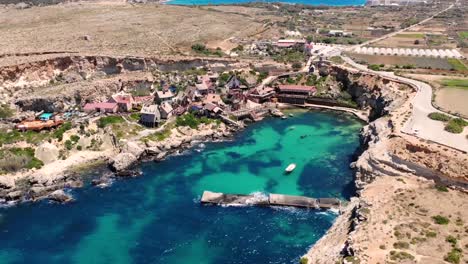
(123, 163)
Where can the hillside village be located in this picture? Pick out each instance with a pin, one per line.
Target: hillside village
(95, 99)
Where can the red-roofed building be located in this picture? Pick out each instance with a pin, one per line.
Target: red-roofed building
(261, 95)
(124, 101)
(101, 107)
(294, 94)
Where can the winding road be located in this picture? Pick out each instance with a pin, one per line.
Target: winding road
(419, 124)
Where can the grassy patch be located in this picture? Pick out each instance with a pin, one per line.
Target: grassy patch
(431, 234)
(411, 35)
(441, 188)
(303, 260)
(108, 120)
(15, 159)
(192, 121)
(440, 220)
(457, 65)
(456, 125)
(31, 137)
(458, 83)
(58, 133)
(159, 136)
(400, 255)
(337, 60)
(463, 34)
(5, 111)
(439, 117)
(135, 116)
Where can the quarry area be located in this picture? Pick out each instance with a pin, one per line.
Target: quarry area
(91, 83)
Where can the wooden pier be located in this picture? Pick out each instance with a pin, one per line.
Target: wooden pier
(269, 200)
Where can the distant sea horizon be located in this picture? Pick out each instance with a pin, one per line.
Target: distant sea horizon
(302, 2)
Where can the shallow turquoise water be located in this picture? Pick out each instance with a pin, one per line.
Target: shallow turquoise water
(157, 218)
(303, 2)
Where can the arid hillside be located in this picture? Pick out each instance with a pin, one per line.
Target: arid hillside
(121, 29)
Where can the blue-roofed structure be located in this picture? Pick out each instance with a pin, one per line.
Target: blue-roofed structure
(45, 116)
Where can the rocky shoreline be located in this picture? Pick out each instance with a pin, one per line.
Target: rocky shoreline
(386, 152)
(122, 162)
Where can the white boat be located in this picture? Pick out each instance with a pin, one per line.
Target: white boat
(290, 168)
(291, 115)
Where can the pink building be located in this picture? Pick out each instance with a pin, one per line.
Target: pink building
(101, 107)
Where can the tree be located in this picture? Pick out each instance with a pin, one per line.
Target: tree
(297, 66)
(416, 42)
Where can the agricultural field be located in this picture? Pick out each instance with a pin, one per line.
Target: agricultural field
(401, 61)
(424, 39)
(451, 92)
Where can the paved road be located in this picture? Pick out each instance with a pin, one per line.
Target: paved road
(422, 106)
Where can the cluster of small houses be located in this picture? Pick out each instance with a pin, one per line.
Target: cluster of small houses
(202, 99)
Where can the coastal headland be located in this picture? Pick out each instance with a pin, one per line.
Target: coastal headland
(133, 90)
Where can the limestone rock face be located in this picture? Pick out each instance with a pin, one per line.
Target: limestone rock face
(47, 153)
(133, 148)
(122, 162)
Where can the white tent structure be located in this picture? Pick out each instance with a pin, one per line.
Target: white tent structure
(443, 54)
(450, 54)
(401, 52)
(457, 54)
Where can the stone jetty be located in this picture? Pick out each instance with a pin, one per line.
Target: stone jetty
(269, 200)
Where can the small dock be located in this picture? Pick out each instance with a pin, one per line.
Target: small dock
(269, 200)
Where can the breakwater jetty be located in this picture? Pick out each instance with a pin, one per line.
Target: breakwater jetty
(269, 200)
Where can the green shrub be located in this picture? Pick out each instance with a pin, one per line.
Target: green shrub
(135, 116)
(109, 120)
(401, 245)
(441, 188)
(5, 111)
(68, 144)
(456, 125)
(297, 66)
(400, 255)
(79, 147)
(440, 220)
(74, 138)
(439, 116)
(15, 159)
(374, 67)
(431, 234)
(303, 260)
(452, 240)
(58, 133)
(454, 256)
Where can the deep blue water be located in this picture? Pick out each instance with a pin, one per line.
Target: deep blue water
(157, 218)
(304, 2)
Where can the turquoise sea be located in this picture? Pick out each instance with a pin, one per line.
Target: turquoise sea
(303, 2)
(158, 218)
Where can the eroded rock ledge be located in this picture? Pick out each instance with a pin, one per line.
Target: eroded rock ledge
(386, 154)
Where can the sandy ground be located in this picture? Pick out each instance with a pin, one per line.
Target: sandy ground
(401, 212)
(448, 98)
(453, 99)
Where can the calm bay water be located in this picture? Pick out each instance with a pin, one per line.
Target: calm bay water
(157, 218)
(303, 2)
